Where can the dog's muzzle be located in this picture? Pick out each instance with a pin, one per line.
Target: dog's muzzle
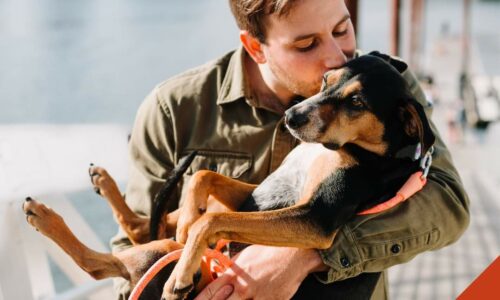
(295, 119)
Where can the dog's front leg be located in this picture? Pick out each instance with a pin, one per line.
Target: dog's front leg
(204, 185)
(289, 227)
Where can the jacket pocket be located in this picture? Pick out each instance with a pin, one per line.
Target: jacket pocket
(231, 164)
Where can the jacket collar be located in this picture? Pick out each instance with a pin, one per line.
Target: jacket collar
(234, 84)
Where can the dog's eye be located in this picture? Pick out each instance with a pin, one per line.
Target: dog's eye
(356, 101)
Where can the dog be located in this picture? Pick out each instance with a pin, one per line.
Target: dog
(361, 138)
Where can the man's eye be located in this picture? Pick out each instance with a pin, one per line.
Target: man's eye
(306, 46)
(339, 33)
(341, 30)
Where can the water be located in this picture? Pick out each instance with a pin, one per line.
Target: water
(94, 61)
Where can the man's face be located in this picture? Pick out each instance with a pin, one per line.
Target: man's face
(316, 36)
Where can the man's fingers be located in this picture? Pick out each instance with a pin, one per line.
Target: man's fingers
(223, 293)
(219, 289)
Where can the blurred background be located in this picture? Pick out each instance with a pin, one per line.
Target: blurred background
(73, 73)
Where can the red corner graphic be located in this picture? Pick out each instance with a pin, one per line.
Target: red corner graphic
(486, 286)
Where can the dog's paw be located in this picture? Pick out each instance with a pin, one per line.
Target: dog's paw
(42, 218)
(174, 290)
(103, 183)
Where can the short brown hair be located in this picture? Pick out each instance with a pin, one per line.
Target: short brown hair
(250, 14)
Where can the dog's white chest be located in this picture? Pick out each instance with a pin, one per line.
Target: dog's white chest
(284, 186)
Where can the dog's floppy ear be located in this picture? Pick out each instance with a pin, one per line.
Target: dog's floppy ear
(398, 64)
(415, 124)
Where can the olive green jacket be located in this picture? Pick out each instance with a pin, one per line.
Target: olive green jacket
(210, 109)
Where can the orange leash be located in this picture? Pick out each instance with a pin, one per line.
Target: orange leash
(210, 255)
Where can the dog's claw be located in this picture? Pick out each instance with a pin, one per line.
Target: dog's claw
(97, 190)
(174, 293)
(184, 290)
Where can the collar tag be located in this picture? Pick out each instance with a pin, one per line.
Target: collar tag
(426, 162)
(418, 152)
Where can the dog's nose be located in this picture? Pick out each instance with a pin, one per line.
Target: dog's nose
(294, 119)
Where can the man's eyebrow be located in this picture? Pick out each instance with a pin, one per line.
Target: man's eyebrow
(309, 35)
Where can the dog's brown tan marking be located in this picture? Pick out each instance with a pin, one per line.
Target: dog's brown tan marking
(205, 184)
(364, 130)
(321, 169)
(413, 124)
(351, 88)
(333, 77)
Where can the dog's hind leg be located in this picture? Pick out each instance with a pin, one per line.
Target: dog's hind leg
(136, 227)
(129, 264)
(49, 223)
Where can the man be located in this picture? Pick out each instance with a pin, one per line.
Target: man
(231, 111)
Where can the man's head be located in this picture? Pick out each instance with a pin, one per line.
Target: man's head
(295, 42)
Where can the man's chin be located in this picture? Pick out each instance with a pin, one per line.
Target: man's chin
(312, 92)
(308, 90)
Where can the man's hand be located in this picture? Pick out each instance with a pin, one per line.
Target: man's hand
(261, 272)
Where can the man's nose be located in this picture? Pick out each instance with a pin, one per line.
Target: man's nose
(334, 57)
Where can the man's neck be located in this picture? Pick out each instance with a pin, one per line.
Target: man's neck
(265, 95)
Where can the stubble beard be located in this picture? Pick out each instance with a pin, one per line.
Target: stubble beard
(296, 87)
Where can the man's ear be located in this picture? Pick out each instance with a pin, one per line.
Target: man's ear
(416, 125)
(253, 47)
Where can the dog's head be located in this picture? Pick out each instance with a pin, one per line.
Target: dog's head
(366, 102)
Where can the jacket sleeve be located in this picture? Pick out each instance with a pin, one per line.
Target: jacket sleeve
(433, 218)
(151, 150)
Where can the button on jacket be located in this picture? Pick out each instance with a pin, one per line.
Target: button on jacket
(210, 109)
